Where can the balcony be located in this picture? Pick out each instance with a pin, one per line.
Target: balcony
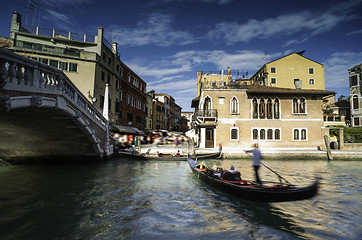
(206, 117)
(334, 120)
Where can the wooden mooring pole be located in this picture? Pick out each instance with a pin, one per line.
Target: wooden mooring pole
(328, 147)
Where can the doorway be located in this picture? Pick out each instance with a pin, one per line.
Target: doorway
(209, 140)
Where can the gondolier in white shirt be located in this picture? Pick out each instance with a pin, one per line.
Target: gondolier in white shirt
(256, 161)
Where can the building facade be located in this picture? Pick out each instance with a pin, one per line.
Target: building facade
(291, 71)
(90, 62)
(275, 118)
(355, 86)
(158, 118)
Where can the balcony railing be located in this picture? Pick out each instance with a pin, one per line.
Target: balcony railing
(206, 113)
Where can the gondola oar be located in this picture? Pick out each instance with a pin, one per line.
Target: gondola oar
(280, 177)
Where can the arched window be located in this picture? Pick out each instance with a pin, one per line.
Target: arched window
(262, 134)
(276, 108)
(269, 109)
(303, 134)
(262, 109)
(302, 105)
(295, 105)
(207, 107)
(355, 102)
(255, 108)
(277, 134)
(296, 134)
(234, 134)
(255, 134)
(234, 105)
(270, 134)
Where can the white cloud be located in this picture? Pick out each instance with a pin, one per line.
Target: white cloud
(156, 30)
(306, 23)
(354, 32)
(336, 68)
(188, 61)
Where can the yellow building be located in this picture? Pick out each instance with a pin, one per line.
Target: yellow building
(91, 62)
(291, 71)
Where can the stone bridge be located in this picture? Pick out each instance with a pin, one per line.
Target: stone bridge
(44, 117)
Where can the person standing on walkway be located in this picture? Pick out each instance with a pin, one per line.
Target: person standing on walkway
(256, 161)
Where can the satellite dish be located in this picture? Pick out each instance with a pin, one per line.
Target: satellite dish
(94, 99)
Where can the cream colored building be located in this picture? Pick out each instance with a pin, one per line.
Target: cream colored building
(91, 62)
(276, 118)
(291, 71)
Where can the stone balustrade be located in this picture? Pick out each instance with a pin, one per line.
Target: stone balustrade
(18, 73)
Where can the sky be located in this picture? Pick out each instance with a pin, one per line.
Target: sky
(167, 41)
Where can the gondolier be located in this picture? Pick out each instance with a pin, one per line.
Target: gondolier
(256, 161)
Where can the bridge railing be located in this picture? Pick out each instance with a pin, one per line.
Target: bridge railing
(21, 74)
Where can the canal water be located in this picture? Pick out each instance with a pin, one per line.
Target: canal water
(128, 199)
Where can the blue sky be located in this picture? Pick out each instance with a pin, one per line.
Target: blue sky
(167, 41)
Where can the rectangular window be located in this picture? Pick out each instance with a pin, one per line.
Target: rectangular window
(129, 77)
(104, 55)
(121, 71)
(234, 134)
(102, 76)
(311, 70)
(43, 60)
(352, 80)
(109, 60)
(54, 63)
(73, 67)
(221, 100)
(63, 66)
(311, 81)
(273, 81)
(356, 121)
(273, 70)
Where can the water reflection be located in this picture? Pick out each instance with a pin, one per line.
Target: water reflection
(126, 199)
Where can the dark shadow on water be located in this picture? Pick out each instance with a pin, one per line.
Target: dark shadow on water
(257, 213)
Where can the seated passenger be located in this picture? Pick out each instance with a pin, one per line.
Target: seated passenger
(232, 175)
(201, 167)
(218, 173)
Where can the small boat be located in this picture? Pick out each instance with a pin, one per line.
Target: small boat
(170, 157)
(267, 192)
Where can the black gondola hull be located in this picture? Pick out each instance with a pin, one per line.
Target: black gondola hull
(255, 192)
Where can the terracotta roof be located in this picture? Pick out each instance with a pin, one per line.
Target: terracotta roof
(355, 67)
(276, 90)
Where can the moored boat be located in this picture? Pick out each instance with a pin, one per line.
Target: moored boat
(168, 157)
(268, 192)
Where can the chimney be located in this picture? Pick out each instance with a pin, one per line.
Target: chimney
(114, 47)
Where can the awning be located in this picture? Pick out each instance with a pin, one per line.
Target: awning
(139, 132)
(123, 129)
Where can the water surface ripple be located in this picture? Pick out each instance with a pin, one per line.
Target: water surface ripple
(127, 199)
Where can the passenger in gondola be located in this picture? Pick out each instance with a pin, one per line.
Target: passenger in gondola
(232, 175)
(201, 167)
(178, 154)
(218, 173)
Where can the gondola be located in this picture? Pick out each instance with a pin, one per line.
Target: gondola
(268, 192)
